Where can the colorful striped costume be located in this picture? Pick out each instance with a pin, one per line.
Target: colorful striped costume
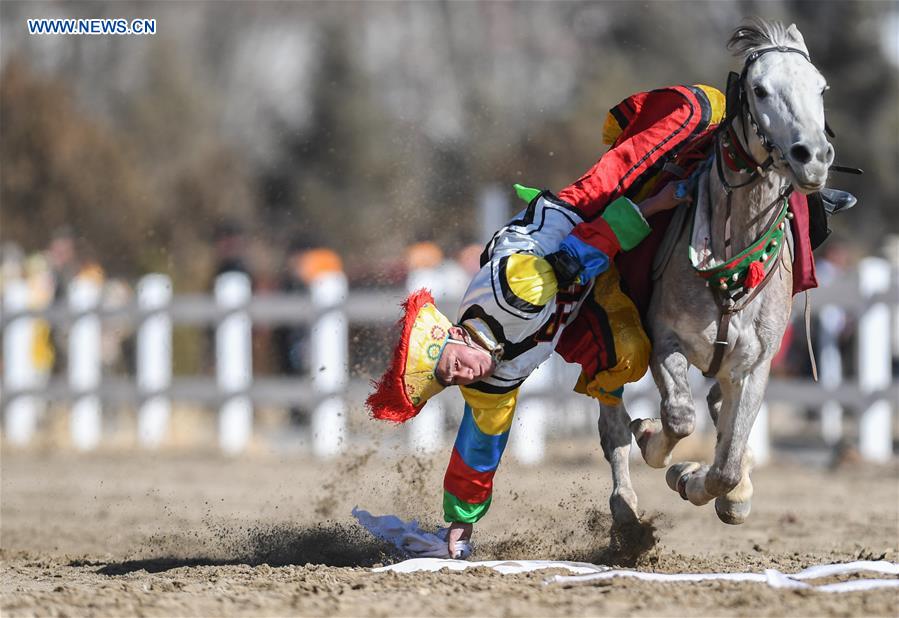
(514, 309)
(513, 301)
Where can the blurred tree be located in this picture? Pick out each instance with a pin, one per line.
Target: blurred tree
(60, 168)
(346, 177)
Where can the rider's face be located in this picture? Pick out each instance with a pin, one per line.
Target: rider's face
(462, 364)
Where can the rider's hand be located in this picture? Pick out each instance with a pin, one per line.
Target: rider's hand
(565, 266)
(457, 531)
(673, 194)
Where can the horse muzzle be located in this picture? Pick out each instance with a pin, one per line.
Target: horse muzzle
(809, 163)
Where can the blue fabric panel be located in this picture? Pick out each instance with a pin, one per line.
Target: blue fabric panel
(593, 261)
(479, 451)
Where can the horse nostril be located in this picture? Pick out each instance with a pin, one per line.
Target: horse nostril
(800, 153)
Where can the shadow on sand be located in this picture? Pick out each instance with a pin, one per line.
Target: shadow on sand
(276, 545)
(342, 545)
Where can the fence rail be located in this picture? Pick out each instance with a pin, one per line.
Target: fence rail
(871, 293)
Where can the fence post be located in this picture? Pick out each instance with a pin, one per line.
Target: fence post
(425, 433)
(874, 361)
(529, 444)
(85, 364)
(426, 429)
(330, 366)
(19, 370)
(831, 321)
(760, 437)
(234, 361)
(154, 359)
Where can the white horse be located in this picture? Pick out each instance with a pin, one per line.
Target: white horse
(779, 126)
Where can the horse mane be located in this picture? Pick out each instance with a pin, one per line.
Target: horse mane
(756, 33)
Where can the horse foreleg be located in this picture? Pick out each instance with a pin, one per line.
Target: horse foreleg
(713, 399)
(615, 438)
(728, 477)
(658, 437)
(700, 483)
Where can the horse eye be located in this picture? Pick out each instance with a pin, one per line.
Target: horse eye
(760, 92)
(824, 89)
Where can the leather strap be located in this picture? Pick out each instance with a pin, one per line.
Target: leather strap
(720, 344)
(728, 243)
(808, 335)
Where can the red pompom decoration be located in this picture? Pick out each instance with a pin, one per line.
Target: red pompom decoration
(755, 275)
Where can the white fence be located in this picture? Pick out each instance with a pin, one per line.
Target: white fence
(870, 294)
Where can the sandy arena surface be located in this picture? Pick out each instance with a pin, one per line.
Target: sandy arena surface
(188, 535)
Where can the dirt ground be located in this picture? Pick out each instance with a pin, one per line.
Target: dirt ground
(187, 535)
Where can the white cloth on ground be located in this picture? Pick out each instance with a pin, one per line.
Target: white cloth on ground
(586, 573)
(409, 538)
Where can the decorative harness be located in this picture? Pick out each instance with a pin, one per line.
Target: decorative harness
(739, 280)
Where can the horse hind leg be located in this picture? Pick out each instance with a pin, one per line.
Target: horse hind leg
(658, 437)
(615, 438)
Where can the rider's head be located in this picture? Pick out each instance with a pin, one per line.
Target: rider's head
(463, 360)
(429, 346)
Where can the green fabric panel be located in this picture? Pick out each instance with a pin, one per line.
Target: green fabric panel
(457, 510)
(629, 225)
(526, 193)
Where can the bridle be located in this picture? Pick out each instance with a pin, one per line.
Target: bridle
(738, 107)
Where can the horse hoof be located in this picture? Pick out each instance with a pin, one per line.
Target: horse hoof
(647, 432)
(733, 513)
(677, 476)
(624, 507)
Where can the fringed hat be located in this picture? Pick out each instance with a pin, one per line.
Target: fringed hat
(409, 382)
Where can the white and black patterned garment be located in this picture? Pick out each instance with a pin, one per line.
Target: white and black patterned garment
(491, 311)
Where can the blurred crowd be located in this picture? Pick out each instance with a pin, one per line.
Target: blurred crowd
(285, 350)
(47, 275)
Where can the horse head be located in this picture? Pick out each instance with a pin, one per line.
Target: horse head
(782, 103)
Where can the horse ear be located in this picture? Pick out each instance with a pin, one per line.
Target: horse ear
(796, 36)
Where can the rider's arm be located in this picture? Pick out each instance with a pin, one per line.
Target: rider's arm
(584, 256)
(657, 123)
(468, 483)
(621, 227)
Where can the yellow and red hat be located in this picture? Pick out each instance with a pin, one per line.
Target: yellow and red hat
(409, 382)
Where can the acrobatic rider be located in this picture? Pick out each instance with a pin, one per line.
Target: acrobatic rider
(535, 283)
(546, 283)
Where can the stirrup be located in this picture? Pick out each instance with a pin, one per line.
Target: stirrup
(837, 201)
